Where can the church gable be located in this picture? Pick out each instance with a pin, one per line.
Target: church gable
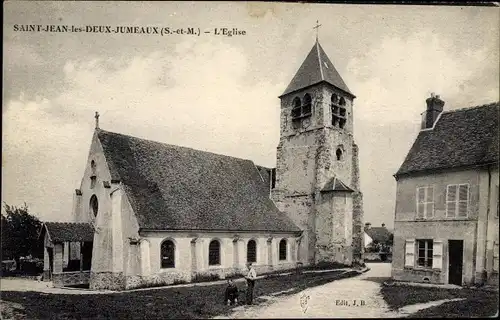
(171, 187)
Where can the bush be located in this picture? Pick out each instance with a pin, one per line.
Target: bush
(206, 277)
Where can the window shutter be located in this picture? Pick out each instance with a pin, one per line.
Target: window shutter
(420, 202)
(495, 256)
(463, 198)
(437, 255)
(409, 252)
(451, 195)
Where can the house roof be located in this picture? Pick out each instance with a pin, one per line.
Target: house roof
(459, 138)
(335, 184)
(316, 68)
(177, 188)
(379, 234)
(69, 231)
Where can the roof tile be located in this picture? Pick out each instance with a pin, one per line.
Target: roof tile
(70, 231)
(459, 138)
(179, 188)
(316, 68)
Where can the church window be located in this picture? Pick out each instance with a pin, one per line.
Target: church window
(338, 153)
(251, 251)
(167, 250)
(306, 107)
(282, 249)
(92, 168)
(335, 99)
(93, 177)
(301, 110)
(296, 110)
(94, 205)
(339, 117)
(214, 253)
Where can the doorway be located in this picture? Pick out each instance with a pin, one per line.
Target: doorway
(455, 261)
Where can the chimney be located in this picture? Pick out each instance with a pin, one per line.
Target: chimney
(434, 108)
(368, 225)
(383, 225)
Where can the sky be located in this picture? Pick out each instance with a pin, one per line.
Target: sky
(220, 93)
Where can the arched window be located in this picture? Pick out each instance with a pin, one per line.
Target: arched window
(306, 107)
(339, 117)
(338, 153)
(297, 108)
(94, 205)
(93, 177)
(167, 251)
(335, 98)
(303, 110)
(214, 253)
(282, 249)
(92, 168)
(251, 251)
(296, 102)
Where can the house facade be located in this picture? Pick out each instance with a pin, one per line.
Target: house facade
(149, 213)
(446, 215)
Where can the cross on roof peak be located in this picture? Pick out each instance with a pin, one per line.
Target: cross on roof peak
(317, 28)
(96, 120)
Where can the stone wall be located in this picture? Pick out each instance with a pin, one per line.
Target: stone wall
(107, 281)
(357, 212)
(70, 278)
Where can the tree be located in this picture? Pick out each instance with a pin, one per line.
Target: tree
(19, 233)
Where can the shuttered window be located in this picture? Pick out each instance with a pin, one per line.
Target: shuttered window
(457, 200)
(425, 253)
(425, 202)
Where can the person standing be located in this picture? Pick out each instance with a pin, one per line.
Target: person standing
(251, 277)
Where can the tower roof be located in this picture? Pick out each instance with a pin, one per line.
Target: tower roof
(316, 68)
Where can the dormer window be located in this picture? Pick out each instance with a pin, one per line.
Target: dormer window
(301, 110)
(339, 117)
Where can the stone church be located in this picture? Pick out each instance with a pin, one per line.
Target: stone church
(149, 213)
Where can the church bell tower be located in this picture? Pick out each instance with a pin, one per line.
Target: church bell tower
(317, 172)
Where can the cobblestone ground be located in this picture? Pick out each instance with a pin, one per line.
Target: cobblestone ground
(357, 297)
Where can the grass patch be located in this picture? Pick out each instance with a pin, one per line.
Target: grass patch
(167, 303)
(478, 303)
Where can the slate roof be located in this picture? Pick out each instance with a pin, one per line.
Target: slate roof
(460, 138)
(69, 231)
(335, 184)
(178, 188)
(316, 68)
(379, 234)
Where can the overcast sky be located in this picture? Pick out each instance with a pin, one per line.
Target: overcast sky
(220, 94)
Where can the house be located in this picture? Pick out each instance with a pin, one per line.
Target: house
(151, 213)
(377, 238)
(447, 198)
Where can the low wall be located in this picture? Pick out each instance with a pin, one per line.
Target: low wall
(70, 278)
(375, 256)
(418, 275)
(117, 281)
